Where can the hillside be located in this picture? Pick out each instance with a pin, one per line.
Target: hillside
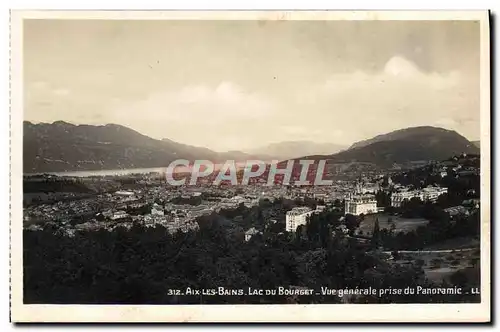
(62, 146)
(401, 146)
(407, 133)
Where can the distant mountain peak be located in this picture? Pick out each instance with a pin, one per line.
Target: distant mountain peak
(294, 149)
(401, 133)
(61, 146)
(422, 143)
(116, 126)
(62, 123)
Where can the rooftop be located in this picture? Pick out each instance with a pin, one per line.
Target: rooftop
(299, 210)
(252, 231)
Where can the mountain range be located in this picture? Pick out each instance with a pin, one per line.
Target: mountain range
(294, 149)
(61, 146)
(406, 145)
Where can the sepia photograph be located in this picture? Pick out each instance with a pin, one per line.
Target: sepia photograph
(250, 166)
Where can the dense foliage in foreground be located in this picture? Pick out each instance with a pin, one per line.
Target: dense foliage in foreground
(145, 265)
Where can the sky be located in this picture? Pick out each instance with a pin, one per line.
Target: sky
(239, 85)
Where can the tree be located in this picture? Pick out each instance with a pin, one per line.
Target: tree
(376, 235)
(459, 279)
(419, 262)
(383, 198)
(338, 203)
(351, 222)
(260, 216)
(474, 262)
(140, 265)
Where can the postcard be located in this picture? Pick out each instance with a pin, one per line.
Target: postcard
(250, 166)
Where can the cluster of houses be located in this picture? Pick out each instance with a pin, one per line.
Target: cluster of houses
(426, 194)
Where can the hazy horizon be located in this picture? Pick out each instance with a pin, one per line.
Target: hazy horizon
(241, 85)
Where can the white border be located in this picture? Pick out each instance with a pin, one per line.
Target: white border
(244, 313)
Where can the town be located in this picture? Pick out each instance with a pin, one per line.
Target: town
(426, 215)
(422, 218)
(223, 160)
(102, 202)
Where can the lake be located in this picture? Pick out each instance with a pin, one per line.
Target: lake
(125, 171)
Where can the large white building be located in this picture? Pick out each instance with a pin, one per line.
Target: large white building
(360, 204)
(399, 197)
(296, 217)
(426, 194)
(432, 193)
(367, 188)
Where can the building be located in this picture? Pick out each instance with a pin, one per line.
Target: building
(296, 217)
(320, 208)
(426, 194)
(360, 204)
(457, 210)
(474, 203)
(389, 181)
(124, 193)
(367, 188)
(119, 215)
(432, 193)
(398, 198)
(251, 232)
(157, 210)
